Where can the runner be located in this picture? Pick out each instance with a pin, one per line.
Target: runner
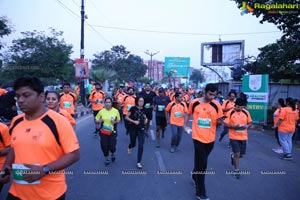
(226, 106)
(4, 148)
(138, 120)
(286, 127)
(238, 121)
(207, 113)
(68, 99)
(96, 99)
(160, 102)
(108, 117)
(276, 114)
(148, 96)
(43, 142)
(129, 101)
(52, 102)
(176, 114)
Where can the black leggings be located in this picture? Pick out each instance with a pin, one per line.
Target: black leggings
(202, 152)
(140, 134)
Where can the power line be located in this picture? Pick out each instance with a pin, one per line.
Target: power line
(91, 27)
(183, 33)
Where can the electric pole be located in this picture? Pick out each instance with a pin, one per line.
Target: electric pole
(151, 68)
(82, 85)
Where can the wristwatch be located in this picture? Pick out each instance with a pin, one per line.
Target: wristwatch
(46, 169)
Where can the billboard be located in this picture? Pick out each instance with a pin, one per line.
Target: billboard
(81, 68)
(224, 53)
(256, 89)
(179, 66)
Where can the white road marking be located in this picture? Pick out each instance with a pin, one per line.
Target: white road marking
(160, 161)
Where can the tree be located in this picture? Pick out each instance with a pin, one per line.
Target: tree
(128, 67)
(5, 29)
(280, 59)
(101, 75)
(47, 57)
(197, 76)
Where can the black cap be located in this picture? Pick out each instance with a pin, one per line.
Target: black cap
(240, 102)
(161, 89)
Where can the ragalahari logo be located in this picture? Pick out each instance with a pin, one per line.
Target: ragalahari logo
(271, 8)
(246, 8)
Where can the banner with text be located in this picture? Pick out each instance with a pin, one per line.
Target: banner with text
(178, 66)
(256, 89)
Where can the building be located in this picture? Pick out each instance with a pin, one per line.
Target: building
(155, 70)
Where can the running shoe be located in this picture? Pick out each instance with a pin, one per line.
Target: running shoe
(286, 157)
(172, 150)
(202, 197)
(113, 158)
(139, 166)
(106, 162)
(231, 158)
(129, 151)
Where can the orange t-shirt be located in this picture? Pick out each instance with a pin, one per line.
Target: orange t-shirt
(289, 119)
(34, 142)
(228, 105)
(2, 91)
(234, 118)
(4, 142)
(99, 97)
(68, 116)
(119, 97)
(67, 102)
(177, 112)
(129, 101)
(276, 115)
(205, 117)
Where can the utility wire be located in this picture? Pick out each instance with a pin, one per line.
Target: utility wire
(182, 33)
(91, 27)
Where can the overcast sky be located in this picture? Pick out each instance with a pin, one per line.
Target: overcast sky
(160, 25)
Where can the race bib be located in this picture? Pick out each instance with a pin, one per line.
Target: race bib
(18, 170)
(147, 105)
(99, 101)
(128, 106)
(67, 104)
(178, 114)
(107, 127)
(204, 122)
(160, 108)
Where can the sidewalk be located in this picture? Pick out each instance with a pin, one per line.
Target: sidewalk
(81, 111)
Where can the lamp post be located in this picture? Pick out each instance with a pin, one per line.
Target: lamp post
(151, 68)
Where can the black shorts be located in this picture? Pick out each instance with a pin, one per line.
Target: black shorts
(161, 121)
(148, 113)
(238, 146)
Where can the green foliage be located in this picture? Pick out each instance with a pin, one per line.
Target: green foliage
(128, 67)
(100, 75)
(280, 59)
(197, 76)
(37, 54)
(5, 28)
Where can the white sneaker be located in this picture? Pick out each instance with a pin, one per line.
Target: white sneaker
(278, 150)
(139, 166)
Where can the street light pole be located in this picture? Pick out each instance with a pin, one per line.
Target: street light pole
(151, 68)
(82, 85)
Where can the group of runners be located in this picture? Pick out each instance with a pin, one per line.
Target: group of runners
(52, 114)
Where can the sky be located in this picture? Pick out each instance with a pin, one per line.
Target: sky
(173, 28)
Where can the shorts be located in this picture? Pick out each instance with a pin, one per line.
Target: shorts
(238, 146)
(148, 114)
(161, 121)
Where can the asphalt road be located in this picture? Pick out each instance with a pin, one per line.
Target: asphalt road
(166, 176)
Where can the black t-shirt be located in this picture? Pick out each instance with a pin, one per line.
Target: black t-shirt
(161, 103)
(137, 114)
(148, 97)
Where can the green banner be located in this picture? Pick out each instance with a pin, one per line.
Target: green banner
(256, 89)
